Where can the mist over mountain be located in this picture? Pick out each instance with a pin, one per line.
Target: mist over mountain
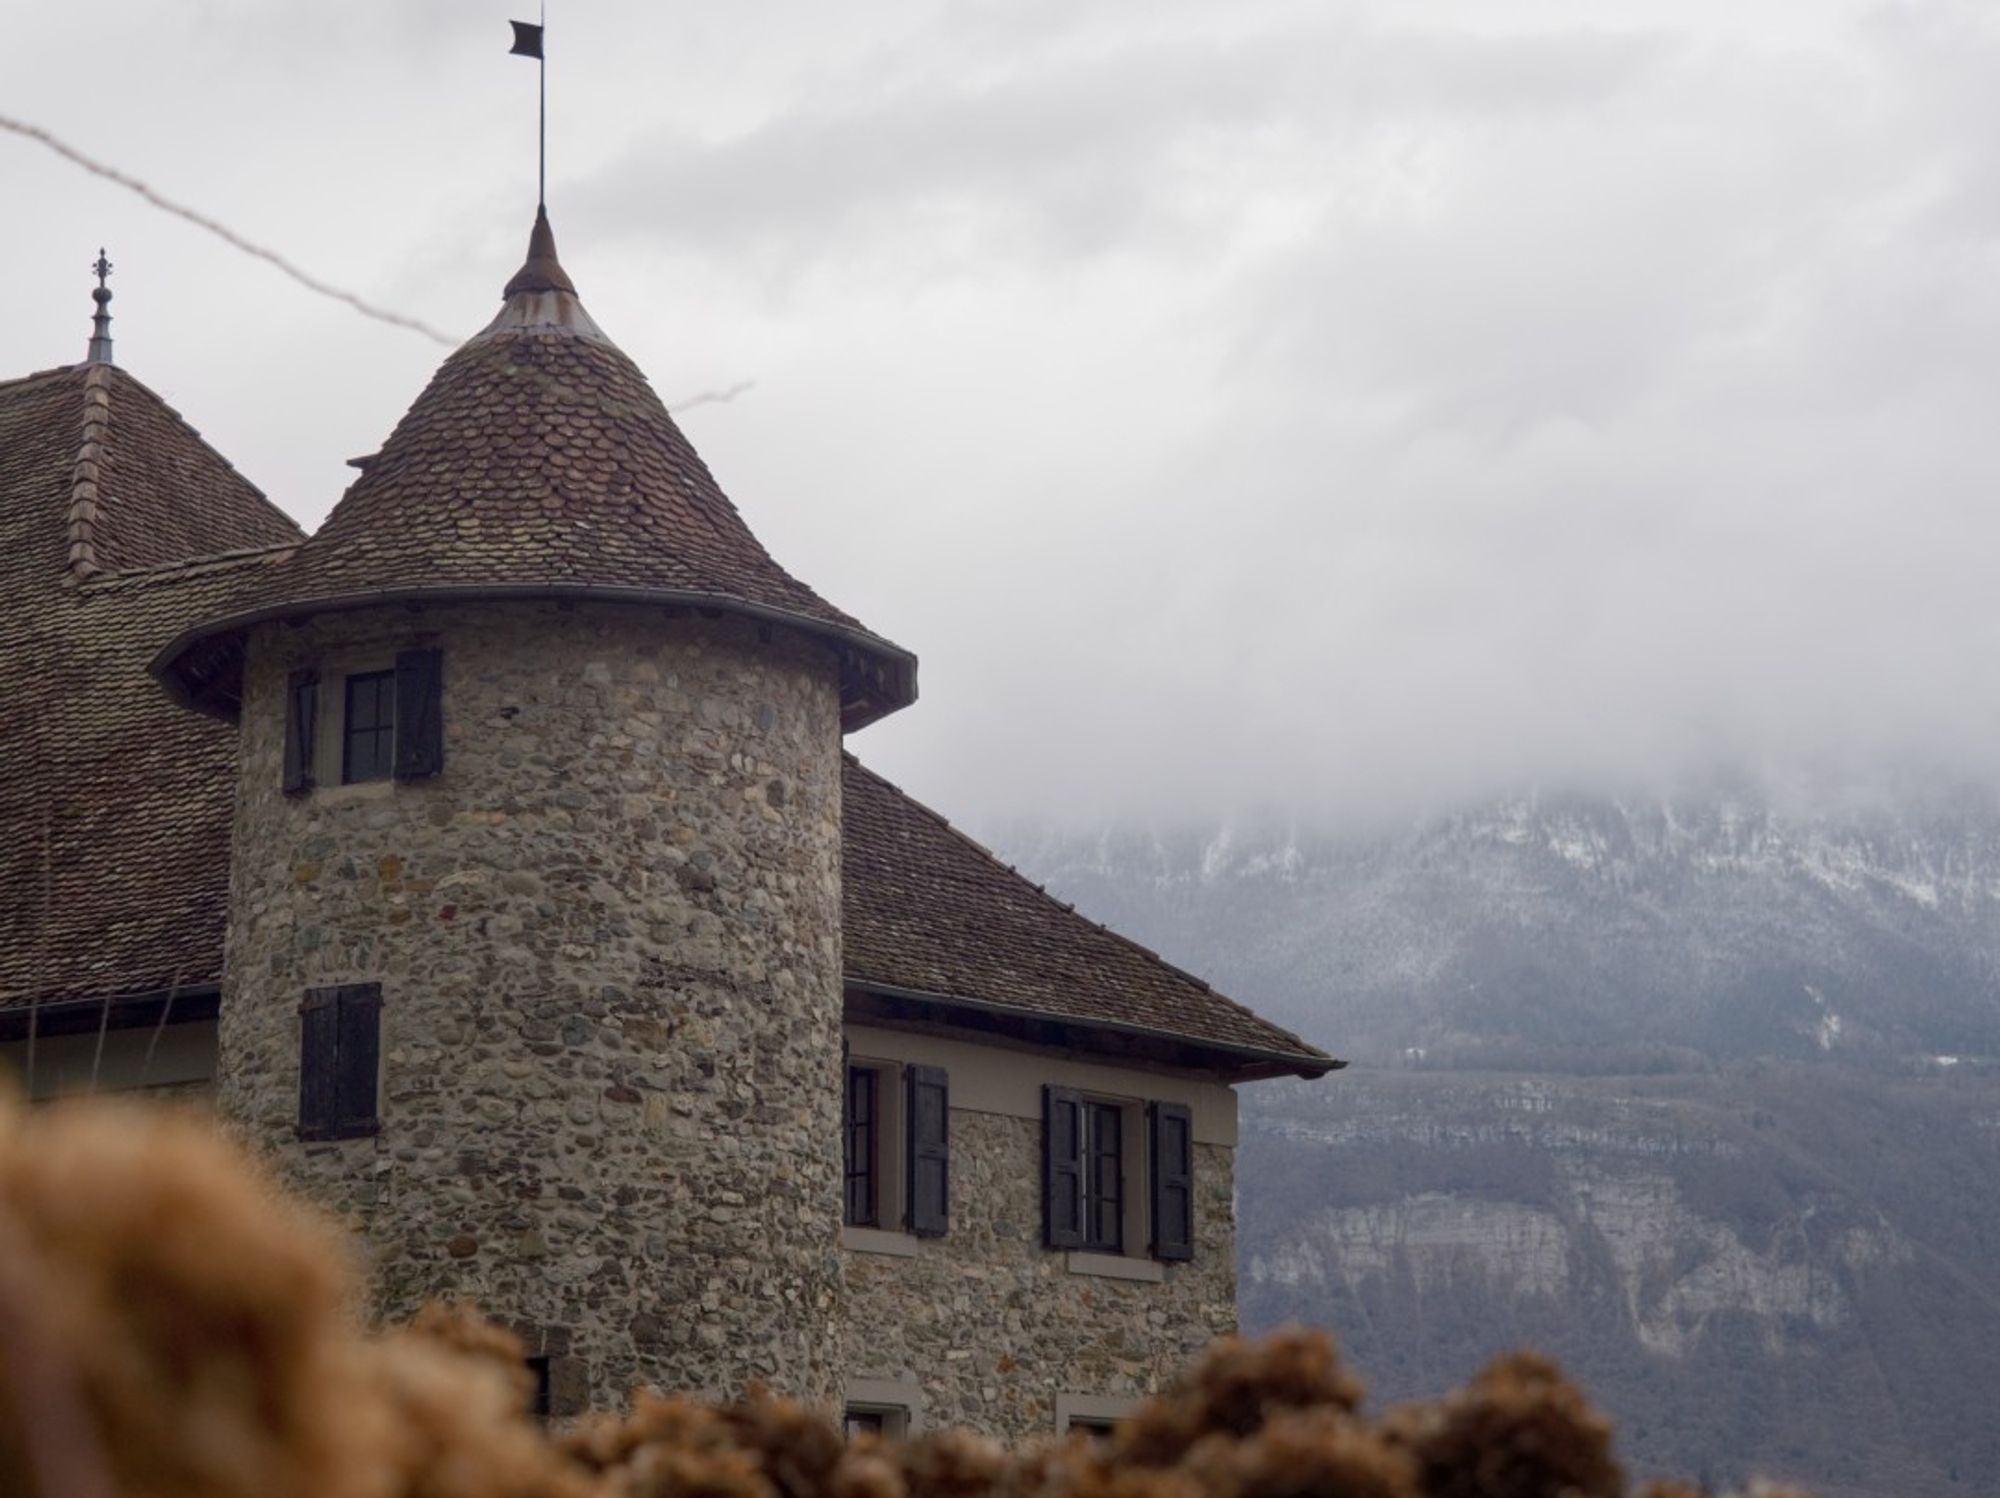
(1562, 932)
(1699, 1092)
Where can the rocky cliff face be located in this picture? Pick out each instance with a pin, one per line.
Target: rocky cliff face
(1695, 1094)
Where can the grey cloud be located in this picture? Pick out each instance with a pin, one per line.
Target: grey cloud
(1331, 406)
(1076, 149)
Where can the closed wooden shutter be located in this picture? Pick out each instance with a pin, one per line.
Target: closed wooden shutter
(1062, 1167)
(928, 1111)
(1172, 1152)
(340, 1059)
(301, 730)
(419, 713)
(358, 1071)
(319, 1022)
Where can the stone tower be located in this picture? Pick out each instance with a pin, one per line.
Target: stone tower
(534, 963)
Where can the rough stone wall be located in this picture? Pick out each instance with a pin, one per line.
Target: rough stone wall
(608, 942)
(991, 1326)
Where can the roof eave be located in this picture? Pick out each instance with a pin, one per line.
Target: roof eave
(877, 676)
(1239, 1063)
(188, 1003)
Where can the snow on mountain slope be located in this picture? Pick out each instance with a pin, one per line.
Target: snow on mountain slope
(1700, 1094)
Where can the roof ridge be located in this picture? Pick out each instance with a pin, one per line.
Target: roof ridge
(1306, 1046)
(41, 374)
(80, 519)
(89, 469)
(197, 566)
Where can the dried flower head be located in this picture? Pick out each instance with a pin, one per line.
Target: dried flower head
(1234, 1389)
(1518, 1430)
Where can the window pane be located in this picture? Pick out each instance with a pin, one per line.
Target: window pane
(368, 728)
(868, 1422)
(862, 1132)
(1103, 1184)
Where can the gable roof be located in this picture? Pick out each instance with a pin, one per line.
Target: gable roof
(538, 462)
(932, 917)
(114, 807)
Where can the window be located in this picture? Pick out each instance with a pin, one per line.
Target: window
(540, 1402)
(889, 1421)
(1083, 1173)
(890, 1407)
(389, 724)
(1103, 1208)
(1096, 1415)
(862, 1127)
(896, 1148)
(862, 1422)
(340, 1061)
(368, 727)
(1117, 1176)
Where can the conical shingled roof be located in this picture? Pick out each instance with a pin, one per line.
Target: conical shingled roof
(538, 462)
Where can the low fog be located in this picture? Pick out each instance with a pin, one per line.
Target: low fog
(1344, 409)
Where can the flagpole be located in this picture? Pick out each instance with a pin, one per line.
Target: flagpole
(542, 173)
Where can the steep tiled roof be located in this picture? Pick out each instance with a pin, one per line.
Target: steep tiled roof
(114, 805)
(538, 459)
(927, 911)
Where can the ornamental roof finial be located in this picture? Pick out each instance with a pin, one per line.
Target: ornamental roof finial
(100, 334)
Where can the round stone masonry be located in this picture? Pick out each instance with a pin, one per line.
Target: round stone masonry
(607, 939)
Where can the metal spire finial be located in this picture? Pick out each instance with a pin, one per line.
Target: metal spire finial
(100, 332)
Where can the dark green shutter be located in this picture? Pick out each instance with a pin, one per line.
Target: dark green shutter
(301, 730)
(419, 713)
(927, 1114)
(1172, 1152)
(357, 1073)
(1062, 1167)
(319, 1020)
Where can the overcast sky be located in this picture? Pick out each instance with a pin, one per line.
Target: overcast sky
(1341, 407)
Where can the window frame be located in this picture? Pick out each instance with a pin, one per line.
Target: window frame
(891, 1422)
(1110, 1227)
(890, 1165)
(406, 710)
(1099, 1414)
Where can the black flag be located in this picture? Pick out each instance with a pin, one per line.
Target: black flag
(527, 40)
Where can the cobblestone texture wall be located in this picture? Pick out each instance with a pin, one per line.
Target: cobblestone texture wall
(991, 1326)
(608, 943)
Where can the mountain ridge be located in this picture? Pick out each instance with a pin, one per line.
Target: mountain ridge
(1698, 1093)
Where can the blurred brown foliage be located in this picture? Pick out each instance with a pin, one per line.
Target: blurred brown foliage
(173, 1326)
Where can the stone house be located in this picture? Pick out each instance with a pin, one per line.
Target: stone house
(491, 858)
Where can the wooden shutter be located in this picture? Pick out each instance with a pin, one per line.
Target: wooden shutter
(357, 1071)
(419, 713)
(1172, 1153)
(301, 730)
(1062, 1167)
(319, 1017)
(927, 1138)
